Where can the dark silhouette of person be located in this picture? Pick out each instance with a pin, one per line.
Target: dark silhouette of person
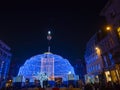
(45, 82)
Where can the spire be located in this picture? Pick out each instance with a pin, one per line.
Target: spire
(49, 37)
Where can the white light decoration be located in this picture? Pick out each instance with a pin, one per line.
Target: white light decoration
(49, 32)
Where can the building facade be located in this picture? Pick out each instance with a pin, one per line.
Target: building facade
(80, 69)
(102, 53)
(110, 45)
(93, 59)
(5, 56)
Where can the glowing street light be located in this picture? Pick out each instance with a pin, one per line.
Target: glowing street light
(108, 28)
(98, 51)
(96, 48)
(49, 32)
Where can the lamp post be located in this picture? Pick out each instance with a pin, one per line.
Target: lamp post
(109, 29)
(98, 51)
(49, 37)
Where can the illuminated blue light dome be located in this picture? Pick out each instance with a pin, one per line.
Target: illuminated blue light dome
(59, 66)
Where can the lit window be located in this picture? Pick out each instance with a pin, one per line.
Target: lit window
(118, 30)
(108, 77)
(96, 67)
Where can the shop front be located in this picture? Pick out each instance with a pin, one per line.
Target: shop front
(113, 74)
(92, 78)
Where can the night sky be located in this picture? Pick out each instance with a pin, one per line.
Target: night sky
(24, 26)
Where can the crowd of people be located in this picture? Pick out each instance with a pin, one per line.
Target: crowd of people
(78, 84)
(101, 86)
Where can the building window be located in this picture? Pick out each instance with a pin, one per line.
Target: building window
(99, 67)
(111, 42)
(0, 53)
(113, 13)
(96, 68)
(118, 30)
(105, 60)
(93, 68)
(108, 77)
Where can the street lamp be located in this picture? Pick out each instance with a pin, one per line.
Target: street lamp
(96, 48)
(108, 28)
(49, 37)
(98, 51)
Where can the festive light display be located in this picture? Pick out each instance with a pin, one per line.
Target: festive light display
(59, 66)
